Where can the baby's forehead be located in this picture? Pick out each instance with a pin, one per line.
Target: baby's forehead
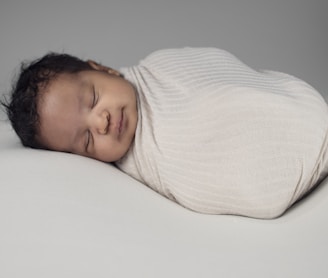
(64, 81)
(61, 86)
(67, 78)
(65, 88)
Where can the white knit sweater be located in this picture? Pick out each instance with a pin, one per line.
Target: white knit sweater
(218, 137)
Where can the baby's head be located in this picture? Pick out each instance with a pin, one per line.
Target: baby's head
(62, 103)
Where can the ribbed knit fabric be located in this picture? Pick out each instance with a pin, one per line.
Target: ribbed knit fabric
(218, 137)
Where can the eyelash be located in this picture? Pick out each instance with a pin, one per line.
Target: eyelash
(88, 141)
(94, 102)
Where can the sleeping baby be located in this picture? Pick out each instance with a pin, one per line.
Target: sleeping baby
(197, 125)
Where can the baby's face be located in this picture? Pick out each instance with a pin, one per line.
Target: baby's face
(92, 113)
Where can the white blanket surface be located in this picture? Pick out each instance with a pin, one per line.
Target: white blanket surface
(219, 137)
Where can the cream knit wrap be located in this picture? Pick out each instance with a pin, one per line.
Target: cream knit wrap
(218, 137)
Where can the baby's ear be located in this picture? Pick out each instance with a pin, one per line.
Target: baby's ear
(100, 67)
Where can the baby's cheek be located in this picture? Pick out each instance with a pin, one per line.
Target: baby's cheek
(106, 149)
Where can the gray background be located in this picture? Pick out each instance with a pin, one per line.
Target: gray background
(283, 35)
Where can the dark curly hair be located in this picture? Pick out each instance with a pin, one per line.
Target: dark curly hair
(33, 78)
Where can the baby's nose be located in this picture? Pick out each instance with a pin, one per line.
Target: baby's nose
(103, 123)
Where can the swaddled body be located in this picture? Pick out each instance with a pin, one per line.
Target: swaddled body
(219, 137)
